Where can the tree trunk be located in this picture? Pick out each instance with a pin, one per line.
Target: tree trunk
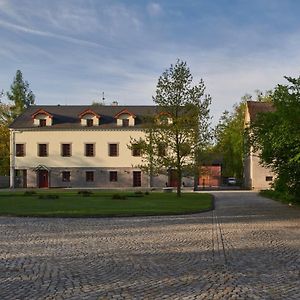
(196, 180)
(179, 179)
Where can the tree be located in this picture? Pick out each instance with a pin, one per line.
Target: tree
(20, 94)
(229, 134)
(173, 137)
(5, 119)
(276, 137)
(21, 97)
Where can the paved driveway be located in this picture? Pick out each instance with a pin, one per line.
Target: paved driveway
(248, 248)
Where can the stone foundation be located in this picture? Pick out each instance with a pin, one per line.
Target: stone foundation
(101, 178)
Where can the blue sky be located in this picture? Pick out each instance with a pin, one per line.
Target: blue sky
(71, 51)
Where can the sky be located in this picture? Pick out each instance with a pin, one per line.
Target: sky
(72, 51)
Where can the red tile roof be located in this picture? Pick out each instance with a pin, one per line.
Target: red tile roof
(255, 108)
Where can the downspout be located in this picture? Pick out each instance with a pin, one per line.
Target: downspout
(12, 159)
(251, 169)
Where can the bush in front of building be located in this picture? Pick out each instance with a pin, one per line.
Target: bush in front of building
(30, 193)
(85, 193)
(280, 196)
(49, 196)
(118, 197)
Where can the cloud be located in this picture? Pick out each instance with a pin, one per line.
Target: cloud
(15, 27)
(154, 9)
(4, 3)
(120, 49)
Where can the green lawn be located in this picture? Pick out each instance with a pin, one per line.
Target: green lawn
(100, 204)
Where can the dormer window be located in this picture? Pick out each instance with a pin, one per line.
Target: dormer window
(89, 118)
(43, 122)
(125, 118)
(42, 118)
(125, 122)
(164, 118)
(89, 122)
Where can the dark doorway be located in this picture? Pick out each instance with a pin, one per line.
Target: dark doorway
(21, 178)
(137, 178)
(24, 178)
(43, 179)
(173, 178)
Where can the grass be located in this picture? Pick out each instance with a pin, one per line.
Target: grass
(282, 197)
(100, 204)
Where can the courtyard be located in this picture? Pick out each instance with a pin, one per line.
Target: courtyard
(247, 248)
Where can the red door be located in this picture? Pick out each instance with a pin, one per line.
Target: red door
(173, 178)
(43, 179)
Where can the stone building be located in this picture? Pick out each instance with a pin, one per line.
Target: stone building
(256, 176)
(80, 146)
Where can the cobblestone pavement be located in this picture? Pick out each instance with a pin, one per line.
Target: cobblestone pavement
(248, 248)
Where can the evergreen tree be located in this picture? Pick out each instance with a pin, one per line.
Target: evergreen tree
(20, 94)
(21, 97)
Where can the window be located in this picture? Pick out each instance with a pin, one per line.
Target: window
(20, 150)
(89, 176)
(125, 122)
(161, 150)
(89, 122)
(137, 178)
(89, 150)
(136, 151)
(65, 149)
(164, 120)
(113, 176)
(42, 122)
(269, 178)
(42, 150)
(113, 150)
(66, 175)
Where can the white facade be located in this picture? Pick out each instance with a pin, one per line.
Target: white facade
(77, 139)
(96, 154)
(256, 176)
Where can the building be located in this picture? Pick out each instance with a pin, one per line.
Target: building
(210, 176)
(256, 176)
(81, 146)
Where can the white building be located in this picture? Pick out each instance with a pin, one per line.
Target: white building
(256, 176)
(80, 146)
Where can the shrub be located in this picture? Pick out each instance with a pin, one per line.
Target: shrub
(118, 197)
(277, 195)
(85, 193)
(139, 194)
(147, 193)
(30, 193)
(49, 196)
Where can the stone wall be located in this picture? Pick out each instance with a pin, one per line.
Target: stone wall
(101, 178)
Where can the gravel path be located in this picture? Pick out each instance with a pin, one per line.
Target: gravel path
(247, 248)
